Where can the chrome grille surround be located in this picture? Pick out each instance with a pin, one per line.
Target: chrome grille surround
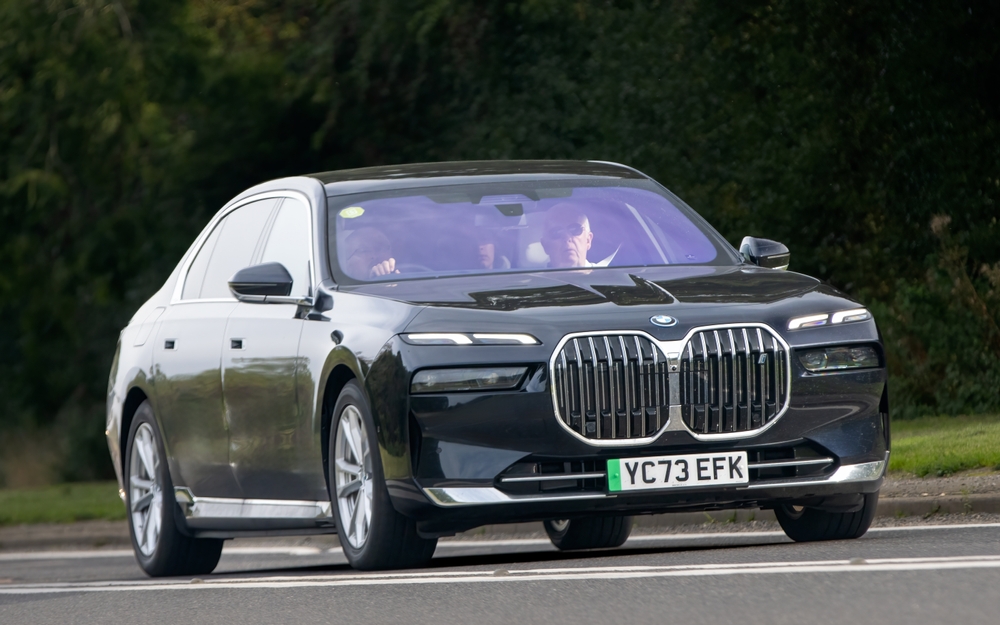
(610, 387)
(651, 373)
(733, 379)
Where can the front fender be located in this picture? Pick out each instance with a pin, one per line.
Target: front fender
(387, 387)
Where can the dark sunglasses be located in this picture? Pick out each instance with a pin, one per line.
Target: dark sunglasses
(573, 230)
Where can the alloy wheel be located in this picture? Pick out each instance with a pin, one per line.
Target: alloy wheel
(145, 491)
(353, 476)
(559, 525)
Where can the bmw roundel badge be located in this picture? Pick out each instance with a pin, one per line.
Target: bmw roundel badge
(664, 321)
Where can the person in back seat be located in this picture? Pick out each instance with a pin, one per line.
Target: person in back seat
(488, 256)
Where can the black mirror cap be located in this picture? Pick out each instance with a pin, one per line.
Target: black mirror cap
(265, 279)
(765, 253)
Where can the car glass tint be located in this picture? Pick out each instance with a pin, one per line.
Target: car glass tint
(196, 274)
(235, 247)
(514, 227)
(288, 244)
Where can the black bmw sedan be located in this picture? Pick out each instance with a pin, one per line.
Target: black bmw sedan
(396, 354)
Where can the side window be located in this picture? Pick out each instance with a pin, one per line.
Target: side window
(237, 240)
(289, 244)
(196, 273)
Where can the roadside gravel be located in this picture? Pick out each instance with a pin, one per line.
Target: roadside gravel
(965, 483)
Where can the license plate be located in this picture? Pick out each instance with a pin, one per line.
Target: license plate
(692, 470)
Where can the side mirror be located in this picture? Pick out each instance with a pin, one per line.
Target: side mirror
(269, 283)
(765, 253)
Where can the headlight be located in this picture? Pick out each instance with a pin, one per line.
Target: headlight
(838, 358)
(459, 380)
(477, 338)
(843, 316)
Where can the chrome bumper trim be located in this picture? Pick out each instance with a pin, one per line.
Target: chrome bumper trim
(482, 495)
(555, 477)
(864, 472)
(777, 464)
(447, 497)
(222, 508)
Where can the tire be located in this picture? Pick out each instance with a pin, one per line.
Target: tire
(373, 534)
(811, 524)
(160, 547)
(589, 533)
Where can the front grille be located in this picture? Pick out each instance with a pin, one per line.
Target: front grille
(611, 386)
(732, 380)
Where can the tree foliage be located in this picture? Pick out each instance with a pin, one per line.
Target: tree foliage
(843, 129)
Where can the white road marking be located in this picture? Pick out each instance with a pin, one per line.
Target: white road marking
(609, 573)
(127, 553)
(65, 555)
(462, 543)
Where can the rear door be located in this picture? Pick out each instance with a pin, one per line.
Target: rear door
(188, 353)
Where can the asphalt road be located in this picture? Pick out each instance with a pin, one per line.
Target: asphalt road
(921, 574)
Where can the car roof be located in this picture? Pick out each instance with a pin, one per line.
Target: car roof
(465, 172)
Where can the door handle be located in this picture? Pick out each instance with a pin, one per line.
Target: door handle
(236, 343)
(168, 344)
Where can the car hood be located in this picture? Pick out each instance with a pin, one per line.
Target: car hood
(611, 297)
(619, 287)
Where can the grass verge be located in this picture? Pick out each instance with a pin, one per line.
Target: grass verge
(944, 445)
(63, 503)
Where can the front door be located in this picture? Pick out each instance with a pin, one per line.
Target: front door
(259, 370)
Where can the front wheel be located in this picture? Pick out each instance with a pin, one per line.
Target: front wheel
(374, 536)
(589, 533)
(160, 547)
(811, 524)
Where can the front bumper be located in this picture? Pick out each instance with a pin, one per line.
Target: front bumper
(461, 508)
(462, 452)
(864, 475)
(448, 456)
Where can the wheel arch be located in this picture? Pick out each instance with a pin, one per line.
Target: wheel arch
(338, 378)
(133, 400)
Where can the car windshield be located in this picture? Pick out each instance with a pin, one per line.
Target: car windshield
(517, 227)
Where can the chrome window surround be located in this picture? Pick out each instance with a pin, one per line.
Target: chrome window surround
(672, 350)
(175, 298)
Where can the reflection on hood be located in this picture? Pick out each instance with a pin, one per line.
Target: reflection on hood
(622, 287)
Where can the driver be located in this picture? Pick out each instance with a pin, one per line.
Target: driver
(566, 236)
(368, 254)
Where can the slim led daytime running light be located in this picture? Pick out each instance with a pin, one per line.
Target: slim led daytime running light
(855, 314)
(514, 339)
(844, 316)
(808, 322)
(440, 338)
(478, 338)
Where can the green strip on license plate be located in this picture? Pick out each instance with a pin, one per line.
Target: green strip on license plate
(614, 475)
